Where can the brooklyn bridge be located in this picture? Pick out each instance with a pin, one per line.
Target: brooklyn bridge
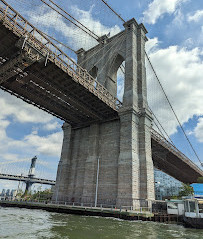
(116, 141)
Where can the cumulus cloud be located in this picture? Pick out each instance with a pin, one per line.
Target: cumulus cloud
(157, 8)
(198, 131)
(196, 17)
(181, 74)
(15, 154)
(51, 20)
(51, 126)
(152, 45)
(21, 111)
(48, 145)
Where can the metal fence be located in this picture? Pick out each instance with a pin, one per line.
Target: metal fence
(87, 205)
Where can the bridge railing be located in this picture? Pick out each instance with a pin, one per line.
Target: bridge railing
(21, 27)
(26, 178)
(164, 142)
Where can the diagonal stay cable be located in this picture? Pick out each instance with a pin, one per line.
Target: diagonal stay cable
(121, 40)
(73, 18)
(173, 109)
(155, 118)
(118, 15)
(58, 42)
(102, 49)
(161, 126)
(96, 38)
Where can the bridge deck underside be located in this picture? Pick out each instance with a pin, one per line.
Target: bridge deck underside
(51, 89)
(168, 162)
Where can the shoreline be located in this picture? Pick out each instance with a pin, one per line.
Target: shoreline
(101, 212)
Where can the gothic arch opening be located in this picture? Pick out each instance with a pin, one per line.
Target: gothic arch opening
(115, 77)
(93, 72)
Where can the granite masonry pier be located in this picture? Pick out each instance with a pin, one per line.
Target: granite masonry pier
(110, 162)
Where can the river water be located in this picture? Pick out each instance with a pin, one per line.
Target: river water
(24, 223)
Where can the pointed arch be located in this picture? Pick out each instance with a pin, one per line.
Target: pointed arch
(112, 75)
(93, 72)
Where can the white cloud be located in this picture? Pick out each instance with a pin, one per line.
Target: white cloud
(21, 111)
(50, 20)
(152, 45)
(198, 131)
(15, 154)
(158, 8)
(48, 145)
(85, 17)
(196, 17)
(181, 73)
(179, 18)
(51, 126)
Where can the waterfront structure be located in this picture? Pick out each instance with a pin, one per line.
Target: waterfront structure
(8, 194)
(193, 213)
(165, 185)
(30, 179)
(198, 190)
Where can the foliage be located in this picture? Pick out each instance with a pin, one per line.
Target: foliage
(37, 195)
(42, 195)
(20, 193)
(186, 190)
(200, 180)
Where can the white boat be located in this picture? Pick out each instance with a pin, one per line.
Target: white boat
(193, 216)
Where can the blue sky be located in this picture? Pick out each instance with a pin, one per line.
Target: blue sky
(175, 48)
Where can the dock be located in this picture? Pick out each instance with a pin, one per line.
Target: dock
(95, 211)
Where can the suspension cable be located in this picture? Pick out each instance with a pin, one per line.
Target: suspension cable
(118, 15)
(96, 38)
(58, 42)
(73, 18)
(173, 109)
(123, 69)
(82, 62)
(121, 40)
(161, 126)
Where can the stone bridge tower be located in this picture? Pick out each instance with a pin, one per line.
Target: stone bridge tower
(120, 147)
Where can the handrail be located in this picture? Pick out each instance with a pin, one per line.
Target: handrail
(21, 27)
(163, 141)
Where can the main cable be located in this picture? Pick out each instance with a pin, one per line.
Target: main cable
(73, 18)
(119, 16)
(96, 38)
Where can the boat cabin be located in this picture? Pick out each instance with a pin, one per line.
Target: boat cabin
(193, 208)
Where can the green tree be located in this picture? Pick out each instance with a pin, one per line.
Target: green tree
(42, 195)
(20, 193)
(186, 190)
(200, 180)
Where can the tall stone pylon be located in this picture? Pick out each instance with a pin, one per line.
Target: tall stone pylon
(110, 162)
